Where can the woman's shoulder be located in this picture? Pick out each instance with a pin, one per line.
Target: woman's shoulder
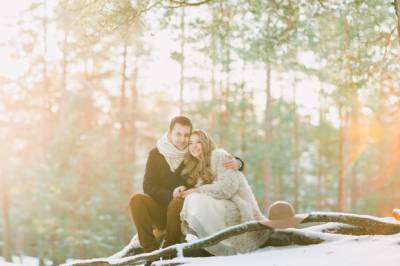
(218, 154)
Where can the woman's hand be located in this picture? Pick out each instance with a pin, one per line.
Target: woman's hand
(189, 191)
(178, 192)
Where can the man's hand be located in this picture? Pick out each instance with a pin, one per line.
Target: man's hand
(233, 163)
(189, 191)
(178, 192)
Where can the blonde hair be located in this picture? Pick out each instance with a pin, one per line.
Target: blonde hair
(200, 168)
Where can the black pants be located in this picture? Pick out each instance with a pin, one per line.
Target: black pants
(147, 213)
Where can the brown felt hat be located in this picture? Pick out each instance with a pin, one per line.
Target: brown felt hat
(281, 215)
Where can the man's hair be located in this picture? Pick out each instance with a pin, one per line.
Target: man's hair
(182, 120)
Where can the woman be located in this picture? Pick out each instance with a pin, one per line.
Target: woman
(219, 198)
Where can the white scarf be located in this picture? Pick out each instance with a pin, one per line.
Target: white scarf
(173, 155)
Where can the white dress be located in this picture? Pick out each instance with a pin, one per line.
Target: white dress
(227, 201)
(204, 216)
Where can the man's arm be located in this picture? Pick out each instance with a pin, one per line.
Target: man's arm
(234, 163)
(241, 164)
(150, 185)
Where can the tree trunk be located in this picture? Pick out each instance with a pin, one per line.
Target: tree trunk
(122, 98)
(267, 135)
(320, 137)
(355, 149)
(45, 68)
(342, 117)
(46, 94)
(382, 164)
(6, 218)
(243, 107)
(225, 89)
(213, 44)
(227, 47)
(388, 159)
(243, 131)
(64, 66)
(295, 137)
(182, 73)
(341, 191)
(123, 171)
(135, 108)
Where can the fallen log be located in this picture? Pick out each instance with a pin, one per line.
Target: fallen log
(175, 250)
(277, 237)
(339, 224)
(362, 224)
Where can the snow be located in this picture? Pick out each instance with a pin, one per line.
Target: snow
(134, 243)
(179, 248)
(353, 251)
(314, 234)
(7, 264)
(382, 250)
(326, 226)
(391, 220)
(20, 261)
(348, 250)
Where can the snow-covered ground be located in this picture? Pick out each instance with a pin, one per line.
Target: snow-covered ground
(352, 251)
(343, 250)
(18, 261)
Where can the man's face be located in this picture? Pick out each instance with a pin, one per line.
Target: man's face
(179, 136)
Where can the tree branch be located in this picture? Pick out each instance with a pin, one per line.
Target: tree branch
(187, 3)
(369, 224)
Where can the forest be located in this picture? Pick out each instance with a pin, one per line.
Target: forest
(306, 92)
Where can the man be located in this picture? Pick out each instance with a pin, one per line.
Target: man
(163, 185)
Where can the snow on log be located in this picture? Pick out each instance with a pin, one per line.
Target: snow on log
(337, 226)
(173, 250)
(362, 224)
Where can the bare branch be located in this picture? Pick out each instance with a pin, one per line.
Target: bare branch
(187, 3)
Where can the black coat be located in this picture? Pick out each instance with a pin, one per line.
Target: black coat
(159, 181)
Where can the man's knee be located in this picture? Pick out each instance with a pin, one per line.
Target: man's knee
(175, 205)
(137, 201)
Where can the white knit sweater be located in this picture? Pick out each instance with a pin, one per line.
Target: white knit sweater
(232, 185)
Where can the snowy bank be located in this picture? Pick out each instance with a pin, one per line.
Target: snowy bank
(354, 251)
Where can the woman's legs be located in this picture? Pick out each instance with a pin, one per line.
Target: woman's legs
(205, 216)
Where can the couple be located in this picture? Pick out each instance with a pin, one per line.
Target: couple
(194, 188)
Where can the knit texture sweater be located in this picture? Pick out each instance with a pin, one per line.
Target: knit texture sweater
(232, 186)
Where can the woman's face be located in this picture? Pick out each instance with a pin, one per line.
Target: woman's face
(195, 146)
